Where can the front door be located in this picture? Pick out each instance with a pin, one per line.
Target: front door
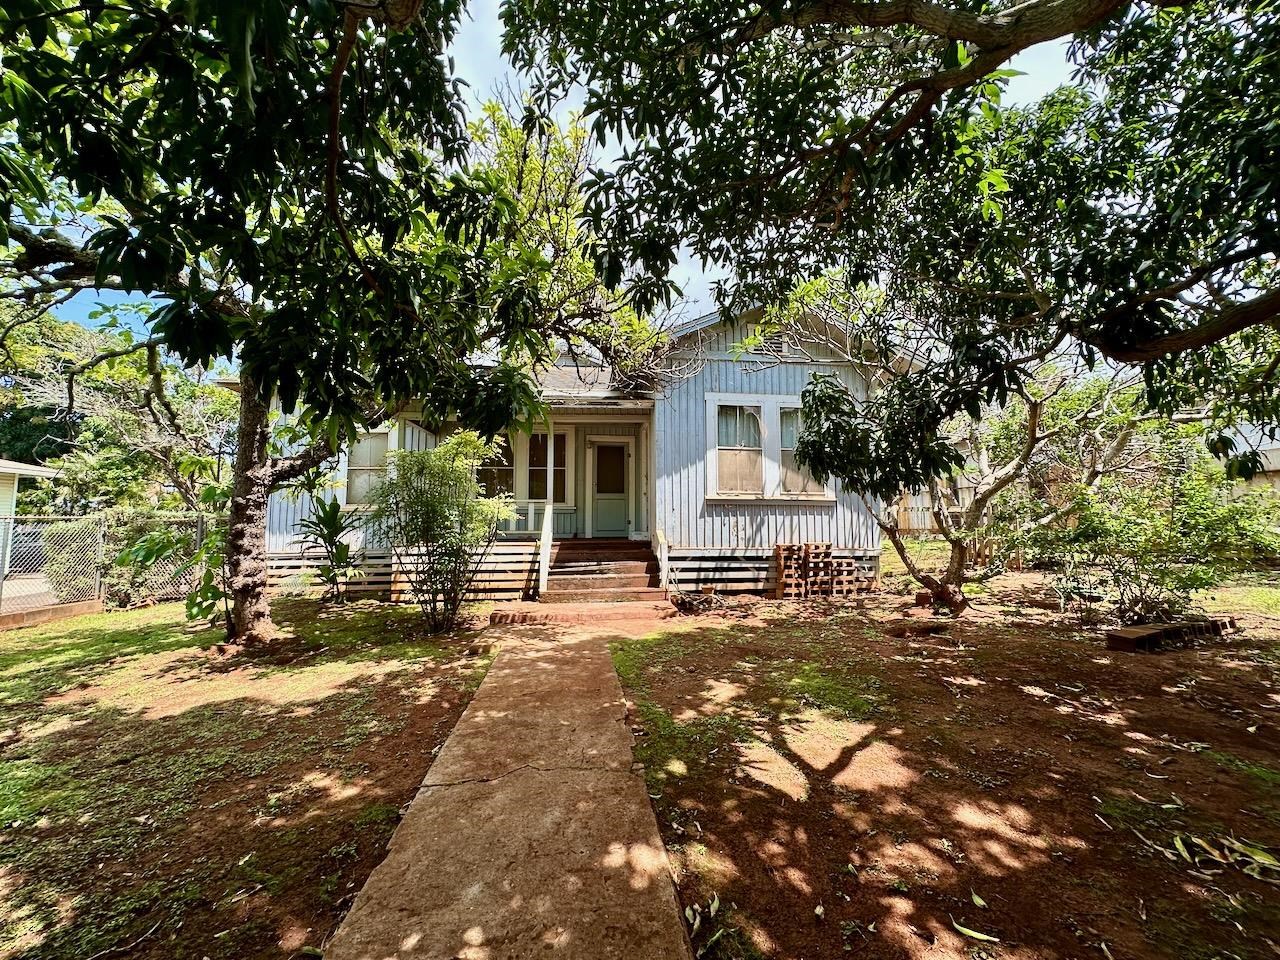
(609, 498)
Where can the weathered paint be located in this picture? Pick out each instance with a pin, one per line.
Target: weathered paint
(670, 470)
(681, 447)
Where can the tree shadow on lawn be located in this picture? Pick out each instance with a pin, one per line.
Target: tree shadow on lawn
(841, 792)
(160, 802)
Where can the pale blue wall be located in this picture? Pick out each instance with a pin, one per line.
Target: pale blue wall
(681, 449)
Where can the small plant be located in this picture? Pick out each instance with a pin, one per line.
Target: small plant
(326, 528)
(429, 510)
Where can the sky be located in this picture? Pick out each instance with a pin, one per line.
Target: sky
(478, 59)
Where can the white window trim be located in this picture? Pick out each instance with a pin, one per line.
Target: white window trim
(520, 454)
(771, 407)
(391, 429)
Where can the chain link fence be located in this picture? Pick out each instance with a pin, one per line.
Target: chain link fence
(47, 561)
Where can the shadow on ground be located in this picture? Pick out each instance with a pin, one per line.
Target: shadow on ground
(835, 790)
(160, 798)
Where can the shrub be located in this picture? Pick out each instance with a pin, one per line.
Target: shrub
(430, 510)
(326, 527)
(1148, 546)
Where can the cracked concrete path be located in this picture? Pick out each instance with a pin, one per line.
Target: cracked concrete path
(531, 835)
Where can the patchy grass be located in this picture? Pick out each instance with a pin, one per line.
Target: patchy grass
(1262, 775)
(928, 553)
(844, 786)
(1236, 599)
(161, 797)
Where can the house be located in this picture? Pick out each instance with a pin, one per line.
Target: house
(10, 472)
(688, 485)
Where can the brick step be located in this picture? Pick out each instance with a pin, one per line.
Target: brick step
(600, 581)
(608, 594)
(578, 568)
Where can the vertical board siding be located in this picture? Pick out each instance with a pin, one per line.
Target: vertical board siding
(681, 447)
(8, 494)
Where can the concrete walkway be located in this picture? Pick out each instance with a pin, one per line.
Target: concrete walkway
(531, 835)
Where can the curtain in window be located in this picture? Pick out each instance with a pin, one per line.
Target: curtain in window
(795, 479)
(366, 463)
(740, 458)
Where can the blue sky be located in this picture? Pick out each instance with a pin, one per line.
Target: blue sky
(478, 59)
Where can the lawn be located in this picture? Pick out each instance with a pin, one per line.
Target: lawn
(162, 797)
(842, 782)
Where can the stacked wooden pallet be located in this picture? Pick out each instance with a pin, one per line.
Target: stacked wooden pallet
(818, 569)
(789, 558)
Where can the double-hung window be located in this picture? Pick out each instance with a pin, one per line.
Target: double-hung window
(751, 449)
(366, 465)
(739, 450)
(795, 479)
(537, 471)
(497, 474)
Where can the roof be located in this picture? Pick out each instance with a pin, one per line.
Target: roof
(580, 381)
(26, 469)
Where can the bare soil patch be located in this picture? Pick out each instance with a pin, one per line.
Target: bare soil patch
(163, 798)
(836, 785)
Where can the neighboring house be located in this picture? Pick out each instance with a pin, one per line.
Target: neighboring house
(688, 485)
(21, 547)
(10, 471)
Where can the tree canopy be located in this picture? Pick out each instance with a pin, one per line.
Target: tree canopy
(286, 175)
(1133, 218)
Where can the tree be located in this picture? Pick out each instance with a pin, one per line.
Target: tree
(137, 420)
(208, 155)
(1131, 219)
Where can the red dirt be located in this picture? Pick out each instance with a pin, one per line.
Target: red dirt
(1010, 757)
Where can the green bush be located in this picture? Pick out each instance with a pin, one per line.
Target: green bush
(429, 510)
(1148, 544)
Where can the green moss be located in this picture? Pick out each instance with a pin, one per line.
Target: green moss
(637, 659)
(805, 684)
(1265, 776)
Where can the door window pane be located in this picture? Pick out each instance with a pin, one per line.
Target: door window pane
(611, 468)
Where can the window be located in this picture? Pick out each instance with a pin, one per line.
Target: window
(497, 475)
(795, 479)
(538, 468)
(739, 453)
(366, 463)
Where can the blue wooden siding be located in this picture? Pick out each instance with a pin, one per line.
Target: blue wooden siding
(680, 445)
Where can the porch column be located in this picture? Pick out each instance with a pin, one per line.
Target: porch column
(548, 511)
(551, 462)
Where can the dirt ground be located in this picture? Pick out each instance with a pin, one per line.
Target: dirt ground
(160, 797)
(841, 782)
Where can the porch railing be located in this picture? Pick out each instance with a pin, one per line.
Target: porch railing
(544, 547)
(529, 520)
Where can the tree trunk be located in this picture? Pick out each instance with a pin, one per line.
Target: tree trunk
(250, 621)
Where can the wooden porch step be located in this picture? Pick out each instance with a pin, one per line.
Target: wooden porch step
(579, 568)
(596, 581)
(613, 594)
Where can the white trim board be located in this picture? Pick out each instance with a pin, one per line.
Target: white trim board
(771, 406)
